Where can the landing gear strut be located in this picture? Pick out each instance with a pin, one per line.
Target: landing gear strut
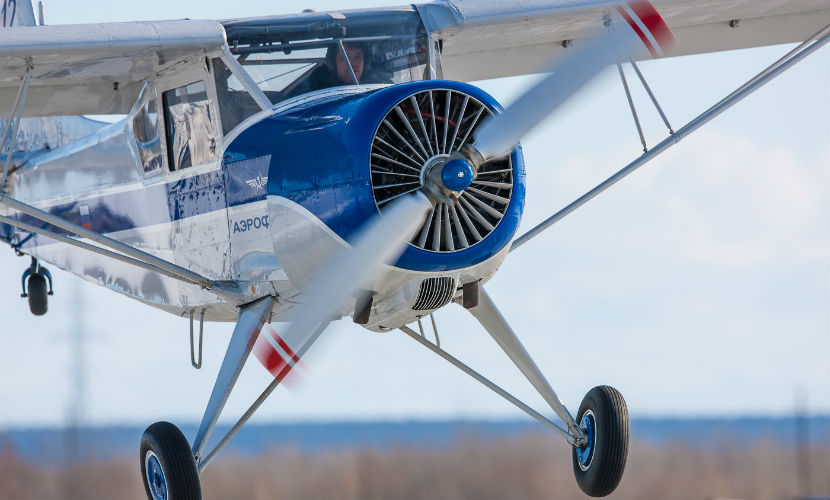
(600, 430)
(37, 291)
(170, 466)
(599, 434)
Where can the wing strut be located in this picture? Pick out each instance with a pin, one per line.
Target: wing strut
(131, 255)
(14, 122)
(651, 95)
(803, 50)
(632, 107)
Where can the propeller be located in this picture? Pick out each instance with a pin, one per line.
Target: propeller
(637, 30)
(382, 241)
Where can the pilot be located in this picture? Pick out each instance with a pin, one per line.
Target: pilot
(334, 72)
(354, 53)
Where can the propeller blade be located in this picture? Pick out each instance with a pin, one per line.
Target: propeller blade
(382, 241)
(637, 30)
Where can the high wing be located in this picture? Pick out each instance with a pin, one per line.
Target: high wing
(491, 39)
(99, 68)
(96, 68)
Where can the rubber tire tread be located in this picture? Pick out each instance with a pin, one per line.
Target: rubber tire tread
(176, 458)
(38, 296)
(611, 447)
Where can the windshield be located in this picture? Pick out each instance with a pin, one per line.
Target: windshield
(287, 57)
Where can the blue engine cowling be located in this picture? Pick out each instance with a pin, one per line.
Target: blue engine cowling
(321, 150)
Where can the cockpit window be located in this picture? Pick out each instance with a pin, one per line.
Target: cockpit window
(287, 58)
(235, 103)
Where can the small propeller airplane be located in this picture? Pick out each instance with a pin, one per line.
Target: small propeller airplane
(309, 167)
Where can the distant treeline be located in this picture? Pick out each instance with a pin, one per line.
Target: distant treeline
(48, 446)
(533, 465)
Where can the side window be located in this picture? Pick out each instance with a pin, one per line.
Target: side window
(235, 103)
(191, 134)
(145, 125)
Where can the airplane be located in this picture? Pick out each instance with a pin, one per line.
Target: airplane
(304, 168)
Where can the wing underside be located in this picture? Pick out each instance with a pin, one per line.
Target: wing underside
(488, 39)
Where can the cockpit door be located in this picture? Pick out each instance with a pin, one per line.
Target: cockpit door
(193, 175)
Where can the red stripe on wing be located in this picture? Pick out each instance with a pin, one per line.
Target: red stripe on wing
(654, 23)
(637, 30)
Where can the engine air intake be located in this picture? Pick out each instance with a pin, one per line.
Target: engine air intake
(434, 293)
(418, 131)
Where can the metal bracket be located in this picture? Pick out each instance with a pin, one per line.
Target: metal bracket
(193, 360)
(434, 329)
(36, 268)
(363, 306)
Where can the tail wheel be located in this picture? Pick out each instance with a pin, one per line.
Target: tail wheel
(168, 469)
(38, 294)
(600, 463)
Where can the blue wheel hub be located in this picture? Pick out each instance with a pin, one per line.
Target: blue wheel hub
(457, 175)
(585, 454)
(155, 477)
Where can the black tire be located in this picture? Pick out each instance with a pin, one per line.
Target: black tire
(179, 477)
(38, 294)
(599, 467)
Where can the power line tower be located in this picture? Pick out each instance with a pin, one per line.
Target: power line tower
(74, 453)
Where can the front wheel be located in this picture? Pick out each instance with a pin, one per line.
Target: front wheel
(167, 466)
(600, 463)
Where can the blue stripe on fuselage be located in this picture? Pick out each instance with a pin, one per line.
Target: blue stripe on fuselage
(162, 202)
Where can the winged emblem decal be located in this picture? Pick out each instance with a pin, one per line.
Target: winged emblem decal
(258, 183)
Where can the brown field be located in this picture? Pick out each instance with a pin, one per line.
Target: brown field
(528, 467)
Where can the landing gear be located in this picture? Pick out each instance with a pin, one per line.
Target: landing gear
(599, 434)
(170, 467)
(37, 292)
(167, 466)
(599, 464)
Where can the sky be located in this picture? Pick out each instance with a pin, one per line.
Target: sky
(697, 287)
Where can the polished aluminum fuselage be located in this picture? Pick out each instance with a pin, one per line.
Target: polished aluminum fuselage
(212, 218)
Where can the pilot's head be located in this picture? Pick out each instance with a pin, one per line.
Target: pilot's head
(356, 57)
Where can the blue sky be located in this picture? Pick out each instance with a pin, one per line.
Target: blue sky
(698, 286)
